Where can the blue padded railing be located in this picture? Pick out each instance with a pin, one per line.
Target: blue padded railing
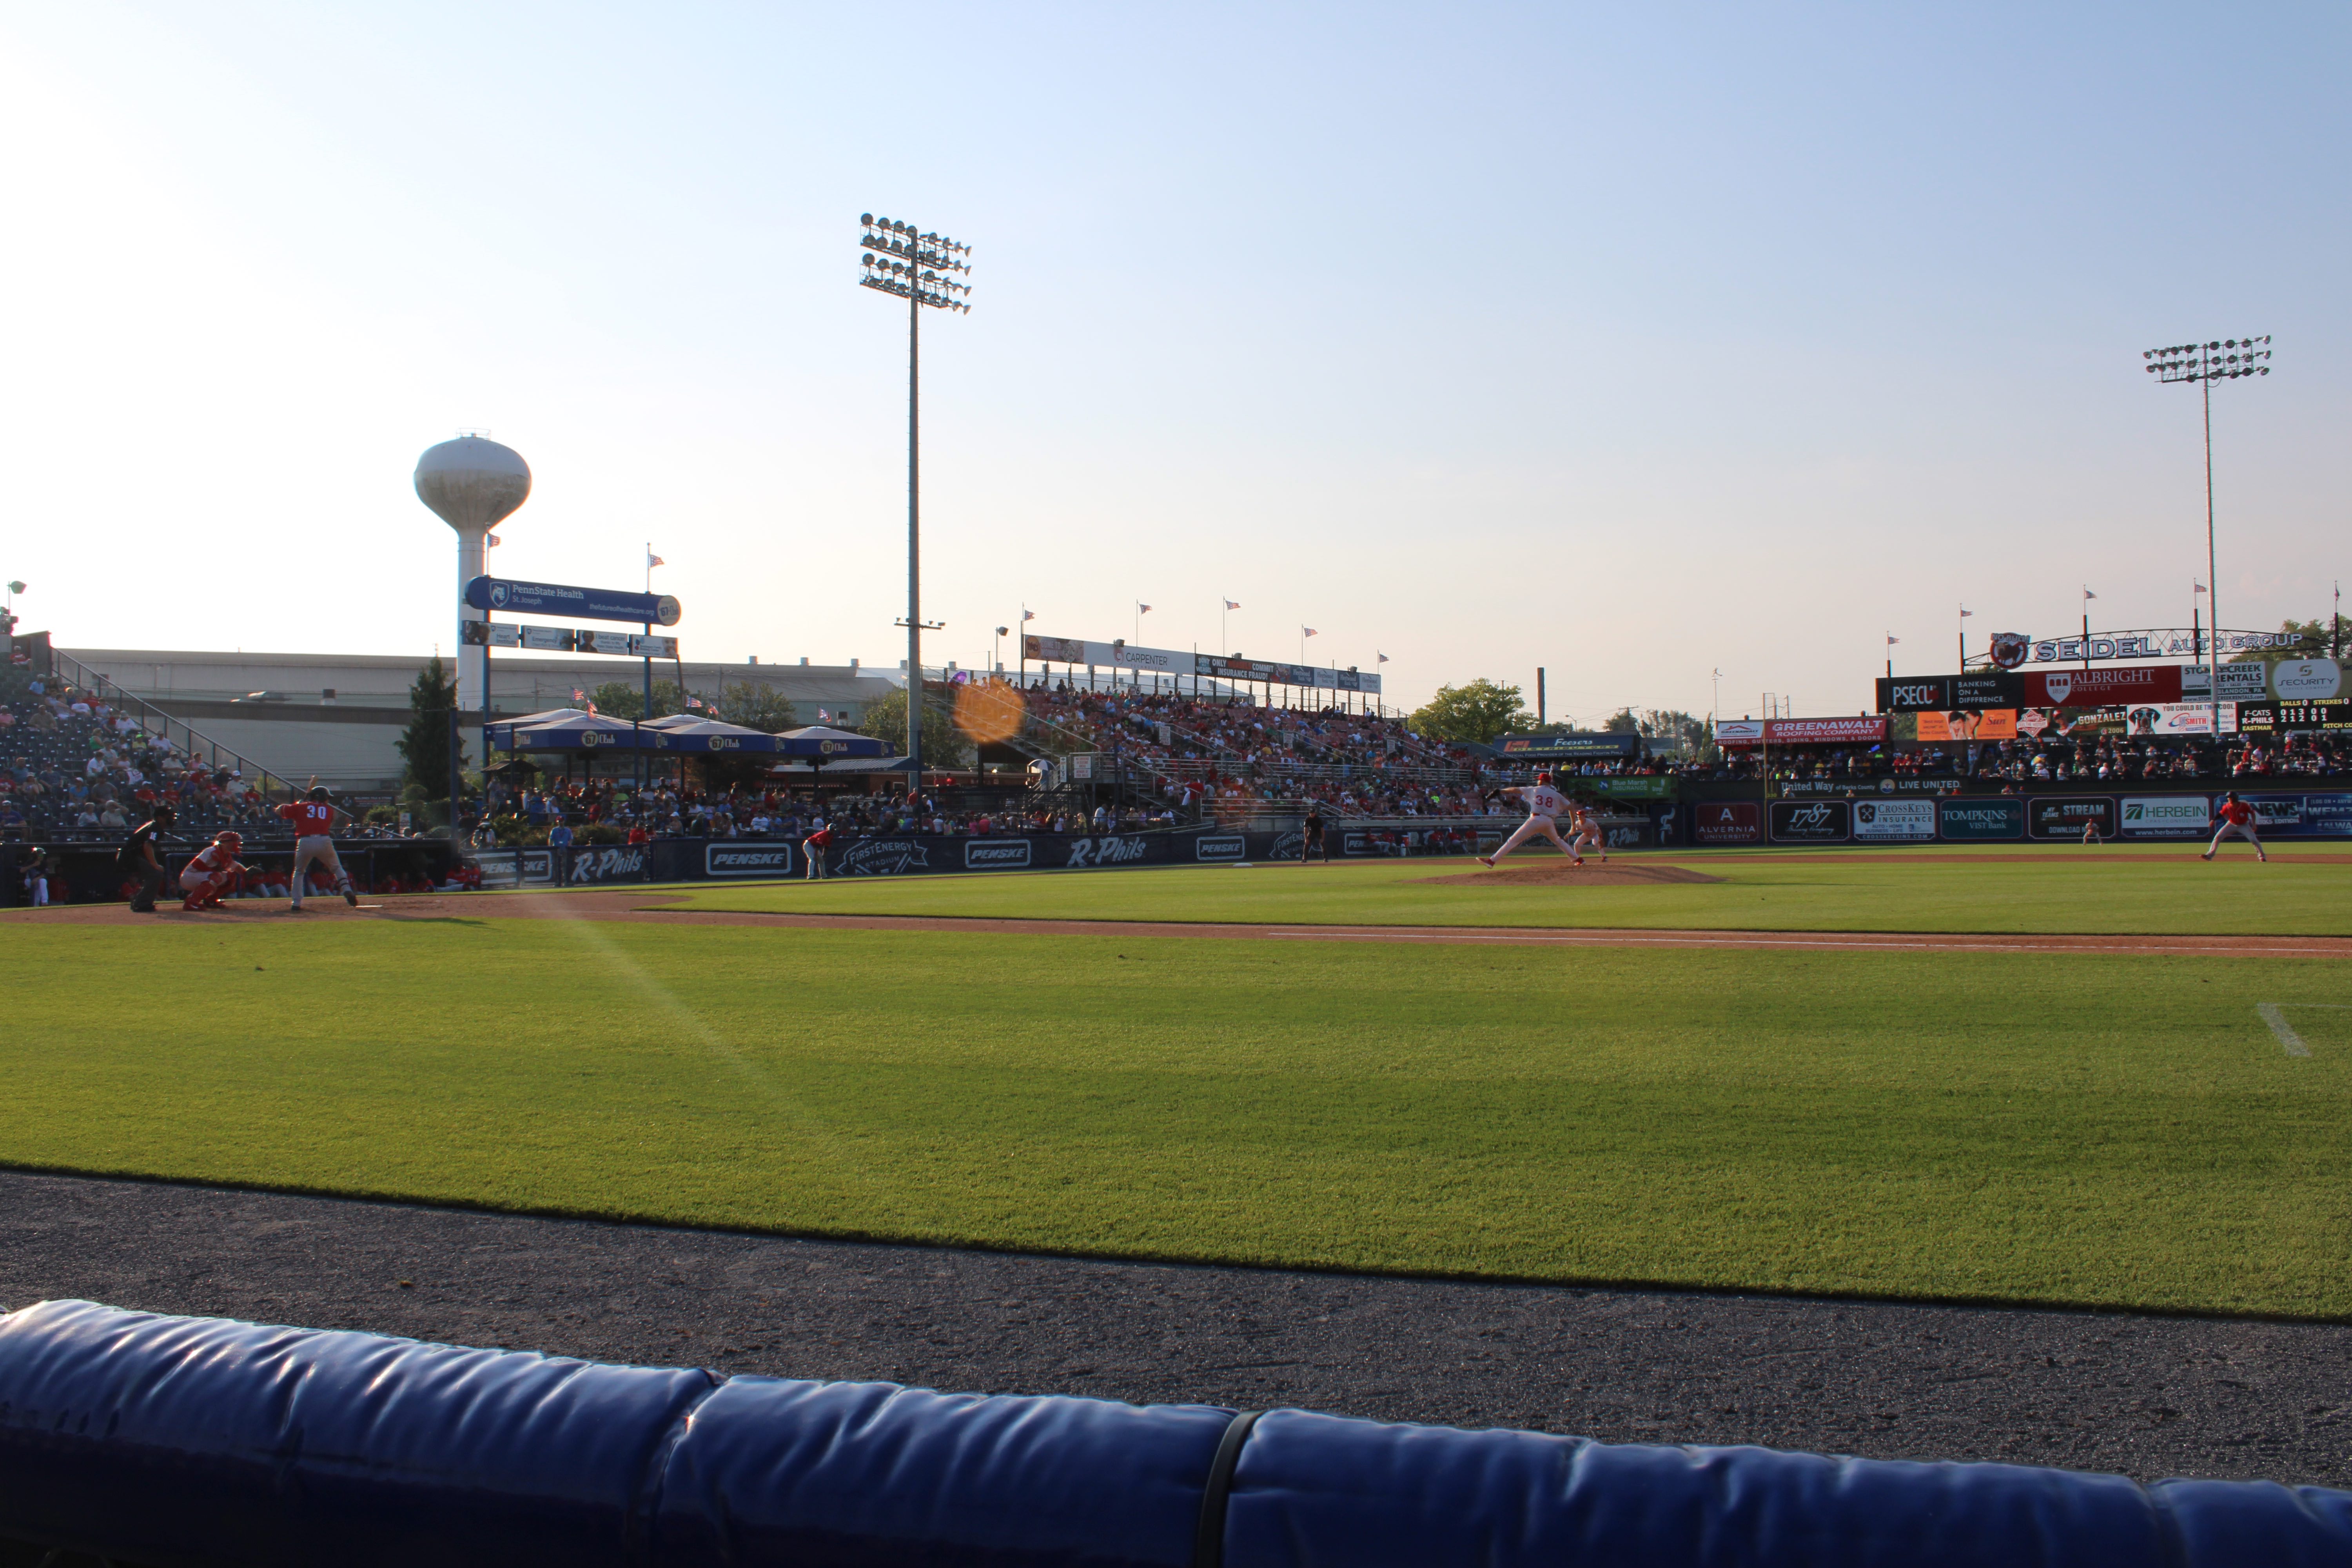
(198, 1442)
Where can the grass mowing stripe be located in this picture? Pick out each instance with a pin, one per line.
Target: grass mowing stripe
(2027, 1127)
(2079, 893)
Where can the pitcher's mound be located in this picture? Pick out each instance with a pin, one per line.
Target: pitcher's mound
(1561, 874)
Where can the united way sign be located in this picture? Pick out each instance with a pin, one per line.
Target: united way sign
(505, 595)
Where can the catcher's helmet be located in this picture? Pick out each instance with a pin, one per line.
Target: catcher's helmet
(230, 837)
(318, 792)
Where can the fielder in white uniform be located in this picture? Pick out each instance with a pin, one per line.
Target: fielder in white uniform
(1588, 834)
(1545, 806)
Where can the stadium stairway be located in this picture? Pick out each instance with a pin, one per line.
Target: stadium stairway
(176, 1442)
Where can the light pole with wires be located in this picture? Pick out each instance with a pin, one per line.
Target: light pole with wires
(2205, 364)
(922, 269)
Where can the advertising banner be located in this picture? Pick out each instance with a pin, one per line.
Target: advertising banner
(2064, 817)
(1862, 730)
(2246, 682)
(506, 596)
(2115, 686)
(1963, 724)
(1867, 729)
(2277, 812)
(1105, 654)
(1541, 747)
(996, 855)
(1918, 693)
(606, 863)
(2305, 680)
(1963, 821)
(2327, 813)
(515, 868)
(747, 859)
(2165, 816)
(1639, 786)
(1257, 669)
(548, 640)
(1221, 847)
(1727, 822)
(1810, 822)
(2178, 718)
(1894, 821)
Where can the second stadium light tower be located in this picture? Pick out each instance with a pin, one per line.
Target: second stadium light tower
(2205, 364)
(921, 268)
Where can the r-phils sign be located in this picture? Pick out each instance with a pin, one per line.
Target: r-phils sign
(505, 595)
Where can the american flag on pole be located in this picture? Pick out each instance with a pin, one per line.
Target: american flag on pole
(654, 560)
(1308, 631)
(1232, 605)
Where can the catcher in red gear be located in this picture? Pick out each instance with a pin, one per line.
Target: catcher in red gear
(214, 869)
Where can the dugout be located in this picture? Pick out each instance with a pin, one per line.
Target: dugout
(88, 873)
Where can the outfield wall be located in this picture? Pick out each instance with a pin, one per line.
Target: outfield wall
(175, 1442)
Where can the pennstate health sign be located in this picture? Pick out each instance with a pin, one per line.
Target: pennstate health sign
(509, 597)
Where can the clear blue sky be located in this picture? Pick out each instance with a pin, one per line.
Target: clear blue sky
(1631, 342)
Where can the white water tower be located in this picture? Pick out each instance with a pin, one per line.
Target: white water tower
(472, 483)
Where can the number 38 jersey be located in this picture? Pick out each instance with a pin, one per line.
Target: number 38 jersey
(1544, 801)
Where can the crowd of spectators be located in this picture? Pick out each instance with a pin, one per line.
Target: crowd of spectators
(79, 769)
(609, 812)
(2100, 757)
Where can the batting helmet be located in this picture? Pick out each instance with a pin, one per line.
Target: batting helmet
(318, 792)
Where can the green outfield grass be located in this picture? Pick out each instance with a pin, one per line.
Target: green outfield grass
(2116, 890)
(2027, 1127)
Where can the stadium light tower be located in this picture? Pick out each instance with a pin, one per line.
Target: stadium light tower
(921, 268)
(2205, 364)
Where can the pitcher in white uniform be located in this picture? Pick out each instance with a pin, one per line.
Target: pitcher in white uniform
(1545, 806)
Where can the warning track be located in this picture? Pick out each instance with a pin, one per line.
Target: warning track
(649, 909)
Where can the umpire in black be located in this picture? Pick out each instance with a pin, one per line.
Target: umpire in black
(1312, 844)
(138, 860)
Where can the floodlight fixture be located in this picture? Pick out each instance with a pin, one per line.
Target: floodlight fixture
(2228, 359)
(925, 270)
